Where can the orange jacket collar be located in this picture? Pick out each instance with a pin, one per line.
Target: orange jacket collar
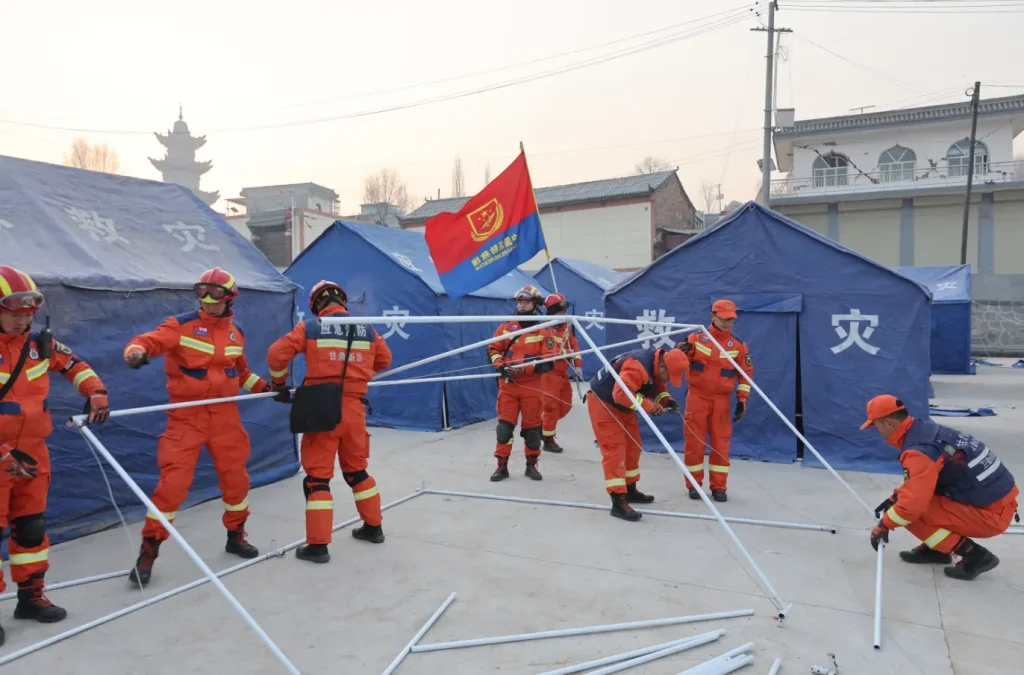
(13, 338)
(215, 320)
(896, 438)
(718, 333)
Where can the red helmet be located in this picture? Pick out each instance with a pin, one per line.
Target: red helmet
(18, 293)
(216, 285)
(530, 293)
(323, 292)
(556, 302)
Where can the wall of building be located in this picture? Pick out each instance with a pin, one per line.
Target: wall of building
(672, 208)
(274, 199)
(811, 216)
(617, 235)
(313, 225)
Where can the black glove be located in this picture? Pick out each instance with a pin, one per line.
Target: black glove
(885, 506)
(97, 407)
(17, 463)
(880, 533)
(685, 347)
(671, 405)
(741, 410)
(542, 368)
(284, 394)
(506, 373)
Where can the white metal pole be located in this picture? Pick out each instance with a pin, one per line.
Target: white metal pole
(775, 667)
(25, 651)
(74, 582)
(589, 630)
(1015, 530)
(79, 420)
(668, 651)
(734, 664)
(878, 596)
(200, 563)
(766, 585)
(712, 666)
(340, 320)
(419, 635)
(789, 424)
(616, 658)
(427, 380)
(604, 507)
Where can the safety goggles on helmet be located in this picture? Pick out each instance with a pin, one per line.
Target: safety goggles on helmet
(214, 292)
(23, 301)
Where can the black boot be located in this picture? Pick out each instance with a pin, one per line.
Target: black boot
(3, 636)
(238, 545)
(923, 555)
(634, 496)
(694, 494)
(719, 496)
(501, 472)
(139, 576)
(316, 553)
(371, 533)
(531, 469)
(622, 509)
(974, 559)
(32, 604)
(550, 445)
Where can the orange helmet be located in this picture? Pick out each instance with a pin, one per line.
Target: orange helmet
(556, 302)
(530, 293)
(216, 285)
(18, 293)
(323, 292)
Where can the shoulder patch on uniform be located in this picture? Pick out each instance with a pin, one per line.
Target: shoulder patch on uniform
(550, 343)
(906, 475)
(61, 347)
(182, 319)
(747, 359)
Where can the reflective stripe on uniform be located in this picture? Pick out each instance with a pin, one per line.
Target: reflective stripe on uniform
(639, 402)
(743, 387)
(495, 357)
(718, 468)
(29, 558)
(657, 399)
(4, 377)
(615, 482)
(279, 373)
(251, 381)
(83, 376)
(703, 349)
(198, 345)
(169, 515)
(334, 344)
(897, 518)
(241, 506)
(37, 371)
(365, 494)
(550, 433)
(734, 354)
(233, 351)
(321, 505)
(633, 473)
(989, 471)
(533, 338)
(695, 467)
(937, 538)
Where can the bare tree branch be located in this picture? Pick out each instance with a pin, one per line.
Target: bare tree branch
(651, 165)
(458, 179)
(709, 192)
(386, 187)
(92, 157)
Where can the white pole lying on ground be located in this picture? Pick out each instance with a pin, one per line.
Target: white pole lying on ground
(25, 651)
(714, 665)
(766, 585)
(600, 507)
(643, 651)
(668, 651)
(74, 582)
(589, 630)
(878, 597)
(734, 664)
(775, 667)
(200, 563)
(419, 635)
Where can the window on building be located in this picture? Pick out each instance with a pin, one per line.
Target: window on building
(958, 157)
(897, 164)
(829, 170)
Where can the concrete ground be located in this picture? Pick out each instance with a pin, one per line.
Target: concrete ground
(525, 568)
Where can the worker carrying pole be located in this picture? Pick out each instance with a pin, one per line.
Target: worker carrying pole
(954, 488)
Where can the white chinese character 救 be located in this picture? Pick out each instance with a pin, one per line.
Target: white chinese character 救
(853, 336)
(395, 326)
(190, 236)
(406, 262)
(99, 228)
(946, 286)
(652, 330)
(596, 313)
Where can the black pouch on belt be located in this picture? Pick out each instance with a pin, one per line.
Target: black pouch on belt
(317, 407)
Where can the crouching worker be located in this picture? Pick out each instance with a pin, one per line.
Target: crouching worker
(646, 372)
(329, 410)
(953, 488)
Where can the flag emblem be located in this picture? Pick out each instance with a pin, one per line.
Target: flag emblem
(486, 220)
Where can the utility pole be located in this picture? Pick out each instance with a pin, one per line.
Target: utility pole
(970, 171)
(766, 158)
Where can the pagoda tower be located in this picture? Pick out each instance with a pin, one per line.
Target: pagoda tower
(179, 165)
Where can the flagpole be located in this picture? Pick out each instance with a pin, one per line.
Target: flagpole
(547, 253)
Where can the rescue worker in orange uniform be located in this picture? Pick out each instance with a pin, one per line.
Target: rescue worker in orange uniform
(711, 381)
(204, 358)
(558, 401)
(24, 426)
(954, 487)
(646, 372)
(520, 390)
(333, 354)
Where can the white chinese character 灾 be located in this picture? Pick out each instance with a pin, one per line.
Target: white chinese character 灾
(853, 336)
(99, 228)
(652, 330)
(946, 286)
(396, 326)
(596, 313)
(190, 236)
(5, 224)
(406, 262)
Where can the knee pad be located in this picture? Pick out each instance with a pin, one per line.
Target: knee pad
(532, 437)
(28, 531)
(311, 485)
(505, 431)
(356, 477)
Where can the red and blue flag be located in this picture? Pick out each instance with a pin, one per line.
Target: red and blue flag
(495, 232)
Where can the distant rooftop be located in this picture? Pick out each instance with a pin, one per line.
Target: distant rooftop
(312, 187)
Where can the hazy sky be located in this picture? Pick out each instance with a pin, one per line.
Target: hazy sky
(696, 102)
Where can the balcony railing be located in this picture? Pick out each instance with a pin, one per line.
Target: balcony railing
(854, 182)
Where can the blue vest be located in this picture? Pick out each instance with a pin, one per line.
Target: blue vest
(603, 385)
(971, 473)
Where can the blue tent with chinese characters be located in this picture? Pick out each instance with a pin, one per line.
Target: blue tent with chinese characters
(583, 284)
(951, 315)
(114, 257)
(827, 328)
(388, 272)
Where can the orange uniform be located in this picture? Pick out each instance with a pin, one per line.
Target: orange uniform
(204, 357)
(558, 401)
(25, 424)
(325, 347)
(711, 380)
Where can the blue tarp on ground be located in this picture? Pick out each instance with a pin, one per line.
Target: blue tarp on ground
(583, 284)
(115, 256)
(851, 327)
(951, 315)
(386, 272)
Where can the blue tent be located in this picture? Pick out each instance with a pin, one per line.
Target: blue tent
(951, 315)
(827, 328)
(386, 272)
(115, 256)
(583, 284)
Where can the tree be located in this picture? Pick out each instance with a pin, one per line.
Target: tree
(709, 192)
(92, 157)
(386, 187)
(458, 179)
(651, 165)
